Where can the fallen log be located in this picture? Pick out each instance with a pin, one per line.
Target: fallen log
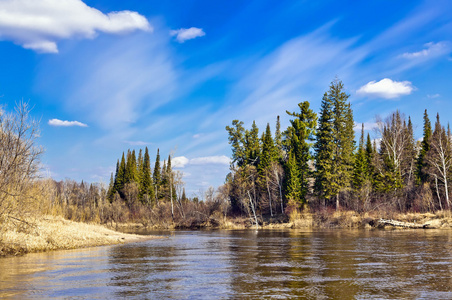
(383, 222)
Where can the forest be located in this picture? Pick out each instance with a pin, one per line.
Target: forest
(316, 165)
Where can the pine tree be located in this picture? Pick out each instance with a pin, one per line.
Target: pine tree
(298, 138)
(120, 177)
(236, 139)
(146, 193)
(157, 175)
(278, 139)
(324, 150)
(360, 171)
(425, 146)
(293, 185)
(268, 153)
(252, 145)
(111, 188)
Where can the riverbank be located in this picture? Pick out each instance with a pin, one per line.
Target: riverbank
(55, 233)
(304, 220)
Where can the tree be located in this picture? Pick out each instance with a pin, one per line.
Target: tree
(19, 161)
(146, 193)
(157, 175)
(335, 144)
(438, 160)
(298, 138)
(422, 176)
(236, 139)
(324, 150)
(120, 179)
(252, 145)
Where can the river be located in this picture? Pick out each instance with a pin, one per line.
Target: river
(243, 264)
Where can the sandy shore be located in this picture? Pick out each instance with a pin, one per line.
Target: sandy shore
(54, 233)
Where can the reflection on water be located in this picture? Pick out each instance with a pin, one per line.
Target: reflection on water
(337, 264)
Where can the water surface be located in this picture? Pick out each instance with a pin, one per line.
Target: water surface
(280, 264)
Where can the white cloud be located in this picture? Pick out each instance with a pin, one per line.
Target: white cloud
(431, 50)
(182, 161)
(433, 96)
(223, 160)
(367, 126)
(386, 88)
(179, 162)
(185, 34)
(38, 25)
(56, 122)
(136, 143)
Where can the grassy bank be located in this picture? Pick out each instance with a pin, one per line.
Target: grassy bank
(306, 219)
(54, 233)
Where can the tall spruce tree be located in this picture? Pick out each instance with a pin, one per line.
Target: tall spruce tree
(252, 145)
(324, 150)
(146, 193)
(120, 180)
(236, 139)
(360, 171)
(157, 176)
(298, 138)
(335, 144)
(422, 176)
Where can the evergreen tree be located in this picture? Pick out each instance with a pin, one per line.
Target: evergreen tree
(324, 150)
(111, 188)
(425, 146)
(360, 170)
(268, 151)
(252, 145)
(298, 137)
(236, 139)
(157, 175)
(335, 144)
(120, 177)
(146, 193)
(278, 139)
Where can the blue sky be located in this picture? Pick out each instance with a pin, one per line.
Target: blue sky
(173, 74)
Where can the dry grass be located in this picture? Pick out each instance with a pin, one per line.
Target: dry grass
(52, 233)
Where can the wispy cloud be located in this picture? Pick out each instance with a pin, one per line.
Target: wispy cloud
(182, 161)
(136, 143)
(367, 126)
(39, 25)
(431, 50)
(386, 88)
(56, 122)
(185, 34)
(434, 96)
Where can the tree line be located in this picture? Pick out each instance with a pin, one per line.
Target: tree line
(316, 163)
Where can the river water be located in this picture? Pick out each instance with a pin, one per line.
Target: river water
(243, 264)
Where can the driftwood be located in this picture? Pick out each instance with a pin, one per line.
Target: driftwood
(383, 222)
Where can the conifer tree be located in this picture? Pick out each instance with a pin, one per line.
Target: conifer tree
(422, 176)
(268, 151)
(120, 178)
(157, 175)
(146, 193)
(360, 170)
(293, 186)
(278, 139)
(252, 145)
(237, 140)
(111, 188)
(324, 150)
(298, 138)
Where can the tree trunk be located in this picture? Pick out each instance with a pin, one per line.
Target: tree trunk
(269, 197)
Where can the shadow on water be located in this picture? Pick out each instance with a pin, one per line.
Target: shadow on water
(335, 264)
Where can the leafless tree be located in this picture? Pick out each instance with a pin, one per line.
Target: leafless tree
(19, 160)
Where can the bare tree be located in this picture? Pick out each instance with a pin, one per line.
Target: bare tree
(19, 160)
(439, 159)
